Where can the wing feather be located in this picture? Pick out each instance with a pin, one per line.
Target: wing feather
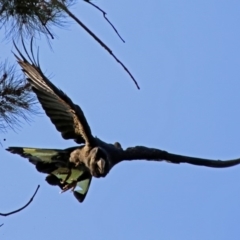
(67, 117)
(153, 154)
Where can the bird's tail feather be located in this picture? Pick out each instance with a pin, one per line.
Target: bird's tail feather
(40, 154)
(55, 163)
(46, 160)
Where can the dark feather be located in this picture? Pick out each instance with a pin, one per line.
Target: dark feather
(55, 162)
(67, 117)
(152, 154)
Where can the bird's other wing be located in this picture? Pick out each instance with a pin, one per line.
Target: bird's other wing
(67, 117)
(152, 154)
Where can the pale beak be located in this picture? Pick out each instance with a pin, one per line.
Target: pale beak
(101, 165)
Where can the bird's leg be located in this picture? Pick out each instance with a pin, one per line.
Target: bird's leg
(68, 175)
(70, 186)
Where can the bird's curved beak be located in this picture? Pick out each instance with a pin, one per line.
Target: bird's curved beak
(101, 163)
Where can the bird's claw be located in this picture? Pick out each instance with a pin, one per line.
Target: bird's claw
(70, 186)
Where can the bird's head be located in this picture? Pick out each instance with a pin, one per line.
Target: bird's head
(99, 164)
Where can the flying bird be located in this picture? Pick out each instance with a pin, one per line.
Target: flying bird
(74, 167)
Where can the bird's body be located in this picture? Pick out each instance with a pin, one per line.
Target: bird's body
(94, 157)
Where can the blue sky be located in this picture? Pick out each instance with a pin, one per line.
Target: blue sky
(185, 56)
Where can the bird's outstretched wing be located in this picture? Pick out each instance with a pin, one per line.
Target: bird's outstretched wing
(67, 117)
(54, 162)
(152, 154)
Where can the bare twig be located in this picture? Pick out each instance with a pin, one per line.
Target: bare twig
(98, 40)
(20, 209)
(104, 15)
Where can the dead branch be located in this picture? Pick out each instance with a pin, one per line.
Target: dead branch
(20, 209)
(104, 15)
(70, 14)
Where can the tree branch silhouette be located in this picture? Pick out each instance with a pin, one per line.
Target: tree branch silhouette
(20, 209)
(104, 15)
(99, 41)
(28, 18)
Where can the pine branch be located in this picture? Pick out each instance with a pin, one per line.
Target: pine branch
(28, 18)
(17, 101)
(25, 18)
